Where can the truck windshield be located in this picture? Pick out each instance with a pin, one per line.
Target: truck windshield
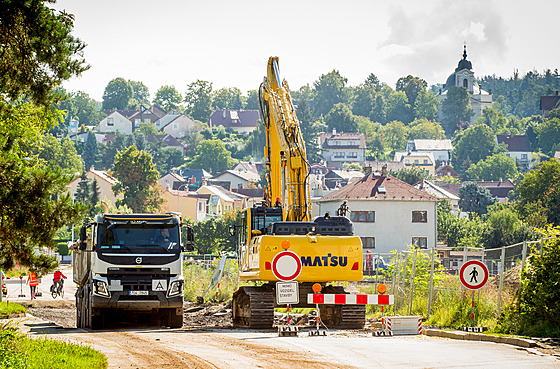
(139, 238)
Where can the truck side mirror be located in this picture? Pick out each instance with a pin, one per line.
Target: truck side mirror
(231, 230)
(83, 238)
(189, 246)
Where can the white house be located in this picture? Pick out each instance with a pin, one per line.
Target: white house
(440, 193)
(518, 147)
(238, 178)
(340, 148)
(174, 124)
(440, 149)
(114, 122)
(104, 181)
(388, 214)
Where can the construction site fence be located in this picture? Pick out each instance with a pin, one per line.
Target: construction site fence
(416, 276)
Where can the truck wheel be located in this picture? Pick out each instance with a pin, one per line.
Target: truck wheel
(172, 319)
(97, 319)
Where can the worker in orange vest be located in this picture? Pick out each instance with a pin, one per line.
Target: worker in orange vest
(33, 282)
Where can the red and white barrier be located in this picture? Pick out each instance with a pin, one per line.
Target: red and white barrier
(349, 299)
(404, 324)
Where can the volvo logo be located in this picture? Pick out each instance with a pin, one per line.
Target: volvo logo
(138, 260)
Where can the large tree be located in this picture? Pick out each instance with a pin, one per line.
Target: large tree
(168, 98)
(425, 129)
(548, 135)
(539, 190)
(472, 145)
(137, 178)
(412, 87)
(329, 90)
(117, 94)
(475, 199)
(456, 109)
(426, 105)
(55, 152)
(199, 100)
(38, 51)
(341, 119)
(78, 105)
(227, 98)
(213, 156)
(140, 94)
(90, 151)
(493, 168)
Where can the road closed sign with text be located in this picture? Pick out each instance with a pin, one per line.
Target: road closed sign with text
(287, 293)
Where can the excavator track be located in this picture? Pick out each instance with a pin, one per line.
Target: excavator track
(342, 316)
(253, 307)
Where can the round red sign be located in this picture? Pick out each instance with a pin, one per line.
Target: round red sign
(286, 266)
(473, 274)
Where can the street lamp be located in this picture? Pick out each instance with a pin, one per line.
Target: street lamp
(179, 189)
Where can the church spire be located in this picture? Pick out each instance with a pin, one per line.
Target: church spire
(465, 52)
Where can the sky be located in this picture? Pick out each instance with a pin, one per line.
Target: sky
(228, 43)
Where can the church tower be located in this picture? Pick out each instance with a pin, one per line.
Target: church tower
(464, 77)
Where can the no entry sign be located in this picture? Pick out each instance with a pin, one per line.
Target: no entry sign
(286, 266)
(473, 274)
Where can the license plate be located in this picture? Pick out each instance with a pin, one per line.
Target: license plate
(138, 293)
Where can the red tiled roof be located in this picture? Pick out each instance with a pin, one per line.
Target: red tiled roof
(369, 188)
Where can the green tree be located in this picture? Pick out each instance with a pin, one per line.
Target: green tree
(411, 175)
(364, 100)
(252, 101)
(90, 151)
(94, 196)
(227, 98)
(117, 94)
(398, 107)
(54, 152)
(426, 105)
(424, 129)
(505, 228)
(168, 98)
(140, 94)
(199, 100)
(475, 199)
(536, 310)
(81, 107)
(38, 51)
(539, 188)
(137, 181)
(493, 118)
(329, 91)
(213, 156)
(394, 135)
(456, 109)
(341, 118)
(412, 87)
(82, 191)
(472, 145)
(548, 135)
(372, 80)
(493, 168)
(457, 231)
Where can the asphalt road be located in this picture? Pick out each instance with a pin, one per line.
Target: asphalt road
(17, 287)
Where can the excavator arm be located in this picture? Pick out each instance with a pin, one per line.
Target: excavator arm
(287, 168)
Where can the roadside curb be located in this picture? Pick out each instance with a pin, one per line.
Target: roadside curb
(469, 336)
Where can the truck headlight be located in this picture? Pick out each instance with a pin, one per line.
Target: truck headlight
(100, 288)
(175, 288)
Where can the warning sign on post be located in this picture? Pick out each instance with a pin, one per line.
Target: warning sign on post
(287, 293)
(473, 274)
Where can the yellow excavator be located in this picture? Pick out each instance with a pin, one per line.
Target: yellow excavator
(278, 241)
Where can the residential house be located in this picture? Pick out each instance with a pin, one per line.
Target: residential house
(424, 160)
(338, 149)
(242, 121)
(340, 178)
(239, 178)
(104, 181)
(440, 193)
(169, 179)
(498, 189)
(146, 115)
(250, 166)
(222, 200)
(254, 196)
(190, 204)
(388, 214)
(73, 127)
(192, 179)
(519, 148)
(115, 121)
(549, 103)
(440, 149)
(169, 142)
(446, 171)
(392, 166)
(175, 124)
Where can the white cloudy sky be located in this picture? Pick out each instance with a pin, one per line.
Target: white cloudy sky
(175, 42)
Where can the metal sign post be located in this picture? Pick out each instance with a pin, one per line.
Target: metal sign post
(473, 275)
(21, 294)
(287, 293)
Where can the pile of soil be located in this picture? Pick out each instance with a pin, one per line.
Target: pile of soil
(512, 278)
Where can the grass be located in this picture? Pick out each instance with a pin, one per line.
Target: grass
(198, 277)
(20, 352)
(10, 308)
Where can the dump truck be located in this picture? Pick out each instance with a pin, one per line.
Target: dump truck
(130, 263)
